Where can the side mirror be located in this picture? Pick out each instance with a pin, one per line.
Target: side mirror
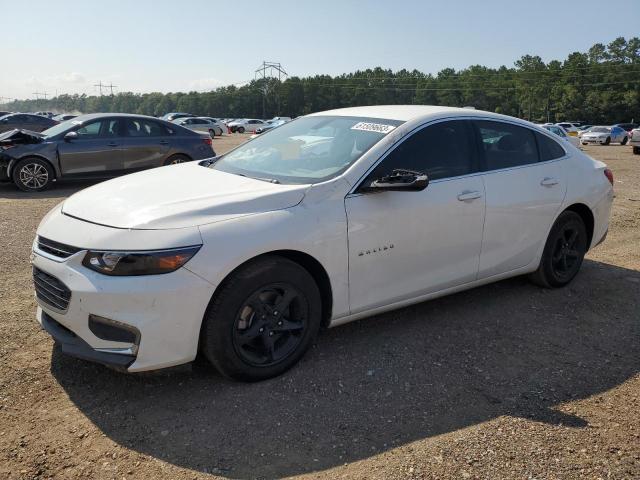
(400, 180)
(70, 136)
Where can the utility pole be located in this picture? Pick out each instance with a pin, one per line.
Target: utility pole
(111, 86)
(268, 70)
(99, 85)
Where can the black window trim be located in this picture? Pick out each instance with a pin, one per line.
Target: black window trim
(355, 191)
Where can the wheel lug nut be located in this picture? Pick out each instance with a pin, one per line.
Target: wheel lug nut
(275, 312)
(280, 323)
(271, 334)
(261, 329)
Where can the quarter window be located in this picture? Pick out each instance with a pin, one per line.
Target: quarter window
(442, 150)
(549, 148)
(506, 145)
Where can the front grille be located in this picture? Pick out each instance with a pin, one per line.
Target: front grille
(56, 249)
(50, 290)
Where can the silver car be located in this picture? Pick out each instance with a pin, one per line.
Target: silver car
(209, 125)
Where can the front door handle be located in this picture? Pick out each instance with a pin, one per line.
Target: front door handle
(469, 195)
(548, 182)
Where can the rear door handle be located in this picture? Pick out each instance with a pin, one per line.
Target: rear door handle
(163, 142)
(548, 182)
(469, 195)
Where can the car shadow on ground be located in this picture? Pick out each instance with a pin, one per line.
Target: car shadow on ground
(60, 189)
(504, 349)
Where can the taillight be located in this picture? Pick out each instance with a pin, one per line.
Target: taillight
(609, 174)
(207, 141)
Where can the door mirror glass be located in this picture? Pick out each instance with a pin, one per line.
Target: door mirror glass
(400, 180)
(70, 136)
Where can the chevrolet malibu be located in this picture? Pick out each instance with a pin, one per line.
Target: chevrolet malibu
(332, 217)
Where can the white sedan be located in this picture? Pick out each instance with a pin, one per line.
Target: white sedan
(602, 135)
(209, 125)
(249, 125)
(559, 131)
(332, 217)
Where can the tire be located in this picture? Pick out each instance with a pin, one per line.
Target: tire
(584, 143)
(240, 130)
(636, 150)
(33, 174)
(238, 339)
(212, 133)
(607, 141)
(175, 159)
(624, 141)
(563, 252)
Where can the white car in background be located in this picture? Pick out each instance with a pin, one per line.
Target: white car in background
(202, 124)
(570, 128)
(635, 141)
(559, 131)
(246, 125)
(332, 217)
(603, 135)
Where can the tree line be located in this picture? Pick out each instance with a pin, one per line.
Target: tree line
(601, 85)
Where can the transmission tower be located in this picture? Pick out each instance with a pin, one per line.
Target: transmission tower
(266, 71)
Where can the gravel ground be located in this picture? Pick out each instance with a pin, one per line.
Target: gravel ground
(503, 381)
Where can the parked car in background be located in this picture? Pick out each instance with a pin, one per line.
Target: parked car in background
(26, 121)
(570, 128)
(63, 117)
(314, 224)
(628, 127)
(277, 119)
(170, 117)
(635, 140)
(271, 124)
(246, 125)
(603, 135)
(2, 114)
(559, 131)
(582, 129)
(202, 124)
(99, 145)
(45, 114)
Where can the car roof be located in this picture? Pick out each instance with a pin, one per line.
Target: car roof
(406, 113)
(93, 116)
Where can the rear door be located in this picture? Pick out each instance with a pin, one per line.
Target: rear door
(146, 144)
(96, 152)
(525, 183)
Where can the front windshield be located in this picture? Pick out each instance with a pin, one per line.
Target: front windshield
(600, 129)
(59, 128)
(306, 150)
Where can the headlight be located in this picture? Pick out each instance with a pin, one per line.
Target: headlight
(151, 262)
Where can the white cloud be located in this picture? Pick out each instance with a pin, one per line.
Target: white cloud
(205, 83)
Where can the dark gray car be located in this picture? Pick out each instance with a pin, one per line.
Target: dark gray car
(26, 121)
(96, 146)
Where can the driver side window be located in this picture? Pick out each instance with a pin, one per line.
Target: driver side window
(442, 150)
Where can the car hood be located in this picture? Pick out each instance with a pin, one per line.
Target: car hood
(178, 196)
(596, 134)
(20, 136)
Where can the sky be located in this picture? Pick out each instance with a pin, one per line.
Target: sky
(144, 45)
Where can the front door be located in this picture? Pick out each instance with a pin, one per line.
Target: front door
(405, 244)
(97, 151)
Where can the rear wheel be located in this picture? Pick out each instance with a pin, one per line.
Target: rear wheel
(636, 150)
(175, 159)
(33, 175)
(607, 141)
(212, 133)
(262, 321)
(240, 130)
(624, 141)
(563, 253)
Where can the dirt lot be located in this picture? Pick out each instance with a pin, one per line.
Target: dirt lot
(504, 381)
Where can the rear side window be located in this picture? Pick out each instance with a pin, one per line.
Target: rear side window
(442, 150)
(506, 145)
(549, 148)
(145, 128)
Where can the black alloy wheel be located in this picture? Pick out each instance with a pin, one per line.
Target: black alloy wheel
(563, 253)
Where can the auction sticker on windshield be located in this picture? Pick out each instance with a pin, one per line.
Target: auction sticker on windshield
(373, 127)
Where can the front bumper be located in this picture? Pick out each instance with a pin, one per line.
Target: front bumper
(167, 311)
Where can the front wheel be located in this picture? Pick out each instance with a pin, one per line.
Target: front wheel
(212, 133)
(262, 321)
(607, 141)
(175, 159)
(624, 141)
(563, 252)
(33, 175)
